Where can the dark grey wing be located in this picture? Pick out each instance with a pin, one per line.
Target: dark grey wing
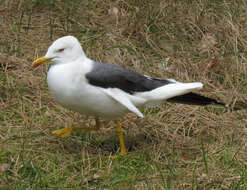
(114, 76)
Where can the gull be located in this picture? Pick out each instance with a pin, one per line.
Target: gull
(105, 90)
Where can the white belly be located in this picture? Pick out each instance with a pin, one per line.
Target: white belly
(73, 92)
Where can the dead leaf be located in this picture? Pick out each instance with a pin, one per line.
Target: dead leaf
(207, 42)
(212, 63)
(96, 176)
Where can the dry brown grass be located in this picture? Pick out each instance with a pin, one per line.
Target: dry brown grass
(174, 146)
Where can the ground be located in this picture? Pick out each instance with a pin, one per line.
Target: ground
(174, 146)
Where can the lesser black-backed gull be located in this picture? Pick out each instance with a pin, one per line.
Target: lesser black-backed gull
(106, 90)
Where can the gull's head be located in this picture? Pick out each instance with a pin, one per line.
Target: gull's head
(64, 50)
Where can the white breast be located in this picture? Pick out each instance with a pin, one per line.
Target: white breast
(69, 87)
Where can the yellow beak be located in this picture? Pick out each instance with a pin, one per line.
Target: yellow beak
(41, 61)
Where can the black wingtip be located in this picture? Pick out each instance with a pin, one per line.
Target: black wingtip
(195, 99)
(216, 103)
(199, 100)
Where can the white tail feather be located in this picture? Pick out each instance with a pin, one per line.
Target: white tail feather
(168, 91)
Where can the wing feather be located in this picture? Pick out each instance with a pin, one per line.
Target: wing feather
(113, 76)
(120, 97)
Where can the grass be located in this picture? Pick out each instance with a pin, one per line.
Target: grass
(174, 146)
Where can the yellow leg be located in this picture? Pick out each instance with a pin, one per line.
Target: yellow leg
(121, 139)
(65, 132)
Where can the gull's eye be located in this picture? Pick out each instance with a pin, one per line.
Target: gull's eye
(60, 50)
